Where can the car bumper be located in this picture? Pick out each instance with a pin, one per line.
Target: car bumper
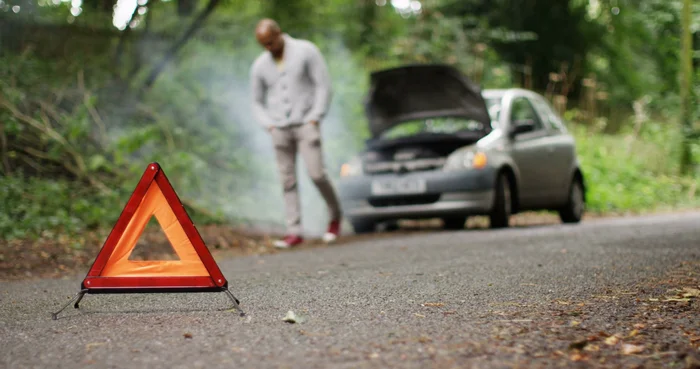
(445, 193)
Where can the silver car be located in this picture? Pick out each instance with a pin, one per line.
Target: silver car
(441, 148)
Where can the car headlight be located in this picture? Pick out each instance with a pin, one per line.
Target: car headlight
(351, 168)
(465, 159)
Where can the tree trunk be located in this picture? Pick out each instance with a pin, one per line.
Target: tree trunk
(686, 78)
(196, 25)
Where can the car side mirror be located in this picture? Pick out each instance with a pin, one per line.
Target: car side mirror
(521, 126)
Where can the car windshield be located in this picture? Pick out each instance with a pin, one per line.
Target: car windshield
(444, 125)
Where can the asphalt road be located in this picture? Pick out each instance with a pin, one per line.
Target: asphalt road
(424, 300)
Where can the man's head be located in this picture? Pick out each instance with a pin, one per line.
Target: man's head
(269, 35)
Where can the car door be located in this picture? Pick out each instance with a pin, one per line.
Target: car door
(562, 148)
(531, 153)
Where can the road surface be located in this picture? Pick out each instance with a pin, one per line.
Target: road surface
(433, 299)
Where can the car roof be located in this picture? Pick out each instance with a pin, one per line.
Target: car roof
(501, 92)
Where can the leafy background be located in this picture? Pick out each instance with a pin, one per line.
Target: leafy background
(86, 105)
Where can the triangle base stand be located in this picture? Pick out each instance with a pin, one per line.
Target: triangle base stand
(79, 296)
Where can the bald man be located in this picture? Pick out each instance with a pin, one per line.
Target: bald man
(291, 90)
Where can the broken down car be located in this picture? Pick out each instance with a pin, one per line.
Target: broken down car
(442, 148)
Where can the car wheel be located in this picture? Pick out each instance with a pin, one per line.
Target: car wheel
(572, 212)
(363, 226)
(500, 214)
(454, 222)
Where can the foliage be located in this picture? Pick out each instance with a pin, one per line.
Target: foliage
(631, 171)
(78, 126)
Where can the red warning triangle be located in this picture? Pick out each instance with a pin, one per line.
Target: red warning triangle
(195, 270)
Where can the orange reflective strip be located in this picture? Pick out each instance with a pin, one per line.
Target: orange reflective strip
(154, 204)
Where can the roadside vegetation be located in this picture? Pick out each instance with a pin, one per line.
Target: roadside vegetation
(85, 105)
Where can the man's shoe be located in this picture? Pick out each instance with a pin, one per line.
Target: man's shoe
(287, 242)
(333, 231)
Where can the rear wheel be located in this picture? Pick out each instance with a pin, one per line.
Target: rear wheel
(454, 222)
(502, 206)
(363, 226)
(572, 212)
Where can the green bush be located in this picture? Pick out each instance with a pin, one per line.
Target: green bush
(33, 207)
(633, 173)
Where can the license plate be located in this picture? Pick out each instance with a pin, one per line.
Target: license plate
(398, 186)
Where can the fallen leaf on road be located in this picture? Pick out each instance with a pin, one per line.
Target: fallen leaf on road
(592, 348)
(434, 304)
(629, 349)
(673, 299)
(420, 315)
(612, 340)
(290, 317)
(578, 357)
(639, 326)
(633, 333)
(188, 335)
(691, 292)
(89, 346)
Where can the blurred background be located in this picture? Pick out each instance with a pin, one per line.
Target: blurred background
(91, 91)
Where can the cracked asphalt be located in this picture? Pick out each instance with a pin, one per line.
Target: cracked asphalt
(427, 299)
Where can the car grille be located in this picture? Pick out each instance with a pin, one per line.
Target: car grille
(404, 166)
(381, 202)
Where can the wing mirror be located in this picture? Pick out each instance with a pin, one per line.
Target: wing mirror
(521, 126)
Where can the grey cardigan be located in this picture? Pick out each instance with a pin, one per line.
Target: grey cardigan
(299, 93)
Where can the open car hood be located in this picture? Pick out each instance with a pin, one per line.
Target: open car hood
(422, 91)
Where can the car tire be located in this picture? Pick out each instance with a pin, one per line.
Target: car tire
(502, 205)
(454, 222)
(361, 226)
(572, 212)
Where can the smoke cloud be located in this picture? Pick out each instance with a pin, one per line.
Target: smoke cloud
(254, 193)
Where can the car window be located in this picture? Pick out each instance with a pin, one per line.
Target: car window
(549, 116)
(522, 109)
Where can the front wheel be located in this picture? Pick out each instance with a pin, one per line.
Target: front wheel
(572, 212)
(502, 206)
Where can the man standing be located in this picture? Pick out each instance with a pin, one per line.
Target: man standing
(291, 90)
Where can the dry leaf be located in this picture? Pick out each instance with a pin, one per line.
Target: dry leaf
(188, 335)
(690, 292)
(612, 340)
(640, 326)
(633, 333)
(578, 357)
(629, 349)
(290, 317)
(435, 304)
(420, 315)
(592, 348)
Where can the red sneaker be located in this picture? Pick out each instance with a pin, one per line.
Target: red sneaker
(288, 241)
(333, 231)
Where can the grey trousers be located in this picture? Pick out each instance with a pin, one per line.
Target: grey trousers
(304, 139)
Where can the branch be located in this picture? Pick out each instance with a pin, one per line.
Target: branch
(3, 144)
(196, 25)
(46, 129)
